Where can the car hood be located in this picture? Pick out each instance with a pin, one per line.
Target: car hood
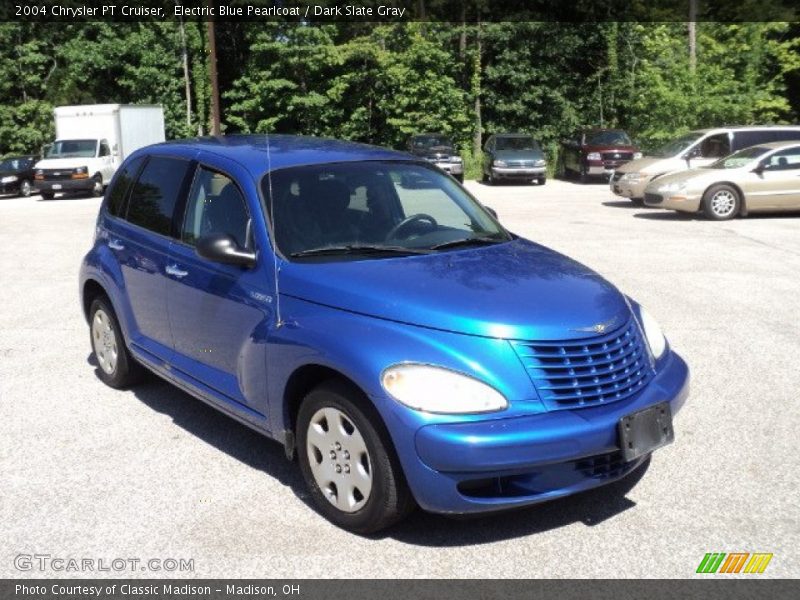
(62, 163)
(518, 154)
(647, 164)
(515, 290)
(694, 177)
(609, 148)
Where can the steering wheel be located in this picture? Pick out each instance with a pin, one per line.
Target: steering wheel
(405, 223)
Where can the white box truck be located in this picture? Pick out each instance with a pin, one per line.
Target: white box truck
(91, 142)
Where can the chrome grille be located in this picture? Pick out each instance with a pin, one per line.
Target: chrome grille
(617, 155)
(64, 173)
(588, 371)
(603, 466)
(521, 164)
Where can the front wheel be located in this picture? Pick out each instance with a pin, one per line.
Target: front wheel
(97, 186)
(25, 188)
(47, 195)
(347, 461)
(541, 180)
(721, 202)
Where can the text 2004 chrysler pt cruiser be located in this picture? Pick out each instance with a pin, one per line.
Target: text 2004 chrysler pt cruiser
(359, 306)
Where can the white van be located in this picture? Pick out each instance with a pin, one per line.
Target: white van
(695, 149)
(91, 142)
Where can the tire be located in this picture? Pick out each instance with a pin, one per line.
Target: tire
(116, 367)
(637, 201)
(97, 188)
(377, 494)
(584, 176)
(47, 195)
(541, 180)
(459, 178)
(25, 188)
(721, 202)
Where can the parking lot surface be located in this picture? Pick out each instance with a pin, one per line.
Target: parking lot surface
(90, 472)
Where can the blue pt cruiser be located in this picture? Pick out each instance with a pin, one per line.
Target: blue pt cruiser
(359, 306)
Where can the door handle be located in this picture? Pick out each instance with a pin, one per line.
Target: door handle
(115, 245)
(175, 271)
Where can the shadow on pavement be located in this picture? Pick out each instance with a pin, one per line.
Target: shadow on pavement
(671, 215)
(623, 204)
(420, 528)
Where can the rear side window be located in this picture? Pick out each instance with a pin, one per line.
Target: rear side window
(155, 193)
(121, 186)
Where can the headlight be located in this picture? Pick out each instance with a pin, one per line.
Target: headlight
(671, 188)
(637, 155)
(634, 177)
(81, 171)
(438, 390)
(540, 163)
(10, 179)
(499, 163)
(653, 333)
(455, 159)
(594, 156)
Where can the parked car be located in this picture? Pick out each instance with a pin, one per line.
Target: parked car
(757, 179)
(91, 142)
(400, 342)
(695, 149)
(596, 153)
(440, 150)
(16, 175)
(515, 156)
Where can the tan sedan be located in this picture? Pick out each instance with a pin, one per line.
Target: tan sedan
(760, 178)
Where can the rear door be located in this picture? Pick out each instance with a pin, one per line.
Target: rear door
(141, 240)
(220, 313)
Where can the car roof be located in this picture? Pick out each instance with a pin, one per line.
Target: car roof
(779, 145)
(746, 128)
(262, 152)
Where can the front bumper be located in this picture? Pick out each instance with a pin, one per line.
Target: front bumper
(503, 463)
(682, 202)
(454, 168)
(64, 185)
(518, 173)
(628, 189)
(9, 188)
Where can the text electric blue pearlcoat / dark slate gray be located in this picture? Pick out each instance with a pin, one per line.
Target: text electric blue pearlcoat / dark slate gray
(464, 309)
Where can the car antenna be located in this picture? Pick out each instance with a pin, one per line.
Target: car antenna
(271, 221)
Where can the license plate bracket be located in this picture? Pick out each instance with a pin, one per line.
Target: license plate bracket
(645, 430)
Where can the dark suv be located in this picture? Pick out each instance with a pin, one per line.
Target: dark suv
(438, 149)
(596, 152)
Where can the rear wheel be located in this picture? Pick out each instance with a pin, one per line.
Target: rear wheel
(721, 202)
(541, 180)
(347, 461)
(117, 368)
(637, 201)
(25, 188)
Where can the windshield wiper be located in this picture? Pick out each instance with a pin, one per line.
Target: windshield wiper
(357, 249)
(470, 241)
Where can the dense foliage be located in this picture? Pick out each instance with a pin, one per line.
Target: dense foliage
(379, 83)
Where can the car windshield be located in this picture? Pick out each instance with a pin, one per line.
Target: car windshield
(608, 138)
(739, 159)
(373, 209)
(431, 141)
(72, 148)
(677, 146)
(516, 143)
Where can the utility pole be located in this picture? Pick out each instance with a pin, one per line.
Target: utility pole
(212, 60)
(692, 35)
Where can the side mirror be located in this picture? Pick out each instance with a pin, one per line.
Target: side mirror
(222, 248)
(491, 211)
(760, 168)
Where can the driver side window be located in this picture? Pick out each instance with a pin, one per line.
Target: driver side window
(715, 146)
(215, 205)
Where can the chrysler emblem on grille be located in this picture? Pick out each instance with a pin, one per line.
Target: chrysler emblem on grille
(598, 327)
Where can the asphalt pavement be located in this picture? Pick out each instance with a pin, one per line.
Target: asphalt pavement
(88, 472)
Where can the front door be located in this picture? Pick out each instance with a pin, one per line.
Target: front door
(219, 313)
(777, 186)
